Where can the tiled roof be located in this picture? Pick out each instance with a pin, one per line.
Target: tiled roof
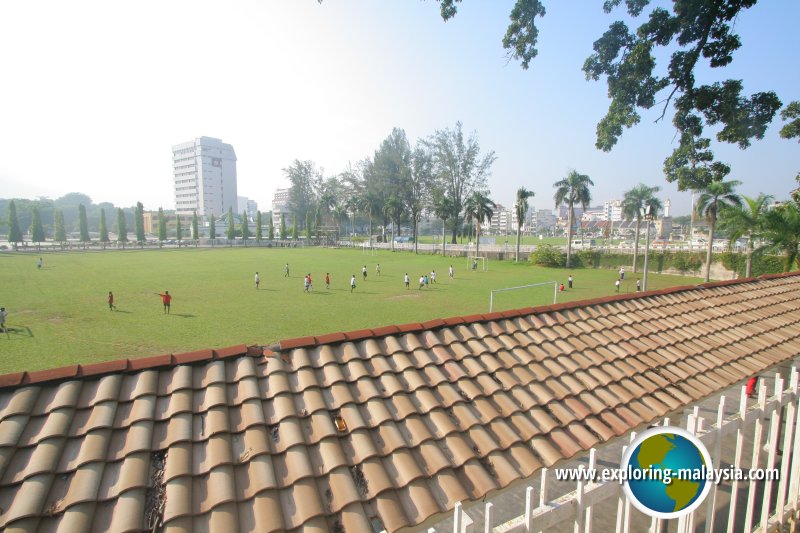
(370, 429)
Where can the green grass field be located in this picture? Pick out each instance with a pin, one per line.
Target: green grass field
(60, 313)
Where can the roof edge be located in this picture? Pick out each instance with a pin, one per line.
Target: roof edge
(116, 366)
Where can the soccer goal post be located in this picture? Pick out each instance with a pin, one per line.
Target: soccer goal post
(472, 262)
(555, 291)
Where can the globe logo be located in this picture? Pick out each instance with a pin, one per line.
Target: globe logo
(665, 472)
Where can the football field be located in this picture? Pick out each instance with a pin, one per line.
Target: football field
(59, 313)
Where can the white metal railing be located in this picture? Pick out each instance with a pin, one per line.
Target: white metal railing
(766, 506)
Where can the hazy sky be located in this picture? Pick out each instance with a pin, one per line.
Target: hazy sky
(94, 94)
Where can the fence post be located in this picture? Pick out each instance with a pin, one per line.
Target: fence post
(542, 492)
(715, 460)
(579, 501)
(529, 506)
(737, 460)
(783, 484)
(457, 518)
(592, 468)
(751, 493)
(774, 431)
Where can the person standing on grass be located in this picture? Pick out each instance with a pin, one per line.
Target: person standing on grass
(166, 299)
(421, 282)
(310, 284)
(616, 284)
(406, 280)
(378, 269)
(286, 270)
(306, 283)
(327, 280)
(258, 280)
(638, 285)
(3, 315)
(569, 281)
(451, 272)
(39, 264)
(111, 306)
(353, 282)
(364, 272)
(621, 272)
(433, 276)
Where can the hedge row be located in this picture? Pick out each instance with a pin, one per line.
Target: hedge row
(551, 256)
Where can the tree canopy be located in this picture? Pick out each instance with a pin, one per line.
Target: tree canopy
(692, 34)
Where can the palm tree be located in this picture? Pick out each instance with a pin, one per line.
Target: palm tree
(746, 220)
(713, 197)
(571, 190)
(633, 203)
(783, 232)
(480, 207)
(521, 208)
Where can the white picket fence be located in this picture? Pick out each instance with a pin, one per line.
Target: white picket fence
(763, 506)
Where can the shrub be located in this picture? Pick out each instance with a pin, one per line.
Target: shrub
(549, 256)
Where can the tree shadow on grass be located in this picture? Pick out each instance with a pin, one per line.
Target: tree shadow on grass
(183, 315)
(121, 311)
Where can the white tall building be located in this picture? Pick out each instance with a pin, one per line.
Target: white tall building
(204, 175)
(280, 204)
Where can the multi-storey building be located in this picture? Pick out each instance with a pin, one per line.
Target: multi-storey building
(204, 176)
(280, 204)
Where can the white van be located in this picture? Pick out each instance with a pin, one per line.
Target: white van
(583, 243)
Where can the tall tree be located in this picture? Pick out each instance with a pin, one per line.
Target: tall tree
(14, 233)
(305, 180)
(460, 168)
(122, 229)
(162, 225)
(571, 190)
(83, 225)
(698, 35)
(195, 227)
(178, 229)
(481, 208)
(746, 220)
(212, 228)
(634, 202)
(258, 226)
(417, 187)
(294, 227)
(270, 228)
(103, 228)
(245, 228)
(231, 233)
(59, 231)
(139, 222)
(521, 209)
(389, 176)
(309, 218)
(713, 197)
(783, 232)
(37, 230)
(284, 232)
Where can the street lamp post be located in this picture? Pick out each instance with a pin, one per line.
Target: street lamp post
(647, 217)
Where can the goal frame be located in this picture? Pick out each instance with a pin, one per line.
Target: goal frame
(555, 291)
(484, 263)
